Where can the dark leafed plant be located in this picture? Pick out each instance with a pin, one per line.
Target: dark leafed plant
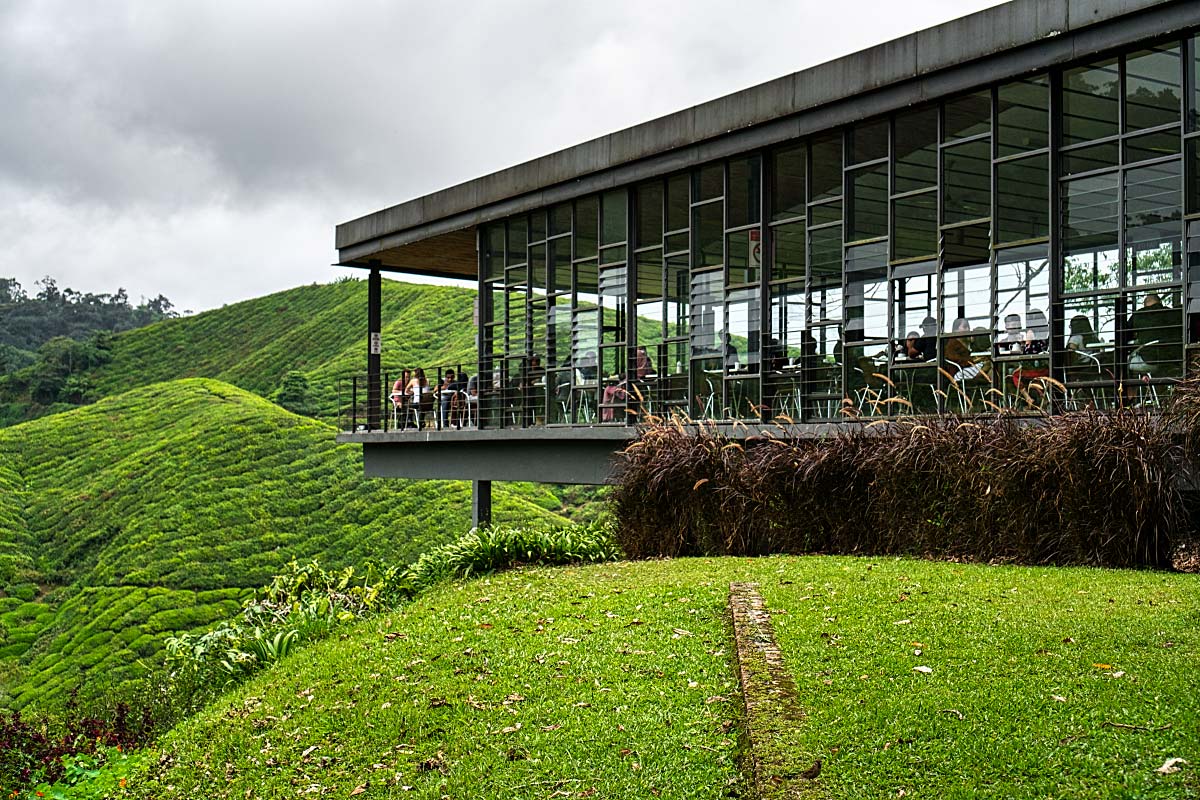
(1080, 488)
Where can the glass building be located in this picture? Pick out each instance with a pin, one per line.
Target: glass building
(1002, 212)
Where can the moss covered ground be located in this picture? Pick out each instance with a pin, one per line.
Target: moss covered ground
(155, 510)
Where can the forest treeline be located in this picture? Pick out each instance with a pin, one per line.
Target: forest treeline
(49, 339)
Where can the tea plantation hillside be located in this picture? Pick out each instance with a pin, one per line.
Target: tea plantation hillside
(319, 330)
(154, 511)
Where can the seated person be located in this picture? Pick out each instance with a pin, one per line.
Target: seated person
(1156, 335)
(959, 361)
(588, 366)
(644, 366)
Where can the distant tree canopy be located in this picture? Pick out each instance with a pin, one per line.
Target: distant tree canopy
(27, 322)
(50, 341)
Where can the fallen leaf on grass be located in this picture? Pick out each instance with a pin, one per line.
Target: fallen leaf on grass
(553, 727)
(923, 670)
(678, 632)
(1058, 698)
(902, 622)
(362, 787)
(1102, 666)
(1170, 766)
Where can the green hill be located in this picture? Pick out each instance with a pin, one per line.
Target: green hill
(154, 511)
(320, 330)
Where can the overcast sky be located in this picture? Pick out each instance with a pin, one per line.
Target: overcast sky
(206, 149)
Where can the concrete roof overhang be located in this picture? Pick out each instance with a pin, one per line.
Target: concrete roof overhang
(435, 234)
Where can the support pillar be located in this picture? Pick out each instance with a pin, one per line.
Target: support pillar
(481, 503)
(374, 346)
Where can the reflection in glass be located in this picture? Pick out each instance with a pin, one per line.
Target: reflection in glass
(868, 141)
(866, 291)
(613, 209)
(1023, 115)
(825, 177)
(744, 254)
(649, 214)
(744, 198)
(825, 274)
(677, 203)
(916, 149)
(787, 251)
(787, 186)
(708, 234)
(1023, 199)
(968, 115)
(1090, 102)
(967, 182)
(868, 203)
(1153, 87)
(914, 221)
(587, 215)
(1153, 243)
(1090, 223)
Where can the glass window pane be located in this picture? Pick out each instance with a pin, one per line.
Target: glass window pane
(677, 284)
(868, 203)
(537, 266)
(493, 254)
(825, 274)
(650, 274)
(649, 333)
(866, 292)
(586, 282)
(1090, 222)
(967, 245)
(708, 234)
(649, 214)
(517, 240)
(558, 332)
(613, 286)
(825, 178)
(1155, 335)
(1195, 68)
(916, 149)
(1023, 199)
(1153, 232)
(1193, 181)
(825, 213)
(744, 254)
(678, 203)
(787, 251)
(587, 213)
(1151, 145)
(709, 182)
(788, 343)
(967, 301)
(1090, 96)
(743, 323)
(560, 265)
(1022, 296)
(967, 190)
(1023, 116)
(706, 298)
(612, 222)
(968, 115)
(744, 198)
(1086, 159)
(537, 225)
(1153, 88)
(915, 308)
(914, 225)
(868, 141)
(612, 255)
(787, 186)
(560, 219)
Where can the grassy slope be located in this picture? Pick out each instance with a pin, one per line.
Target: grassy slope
(152, 511)
(539, 649)
(319, 330)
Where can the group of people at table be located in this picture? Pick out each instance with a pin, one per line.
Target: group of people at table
(414, 399)
(1154, 333)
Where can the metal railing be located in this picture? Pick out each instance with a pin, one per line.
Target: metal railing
(393, 401)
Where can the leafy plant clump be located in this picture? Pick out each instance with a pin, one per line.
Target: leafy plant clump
(306, 602)
(1079, 488)
(37, 750)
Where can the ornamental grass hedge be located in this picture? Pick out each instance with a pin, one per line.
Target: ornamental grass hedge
(1106, 488)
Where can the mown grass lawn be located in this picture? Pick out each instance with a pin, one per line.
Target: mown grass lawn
(616, 681)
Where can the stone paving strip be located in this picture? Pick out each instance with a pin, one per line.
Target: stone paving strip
(772, 710)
